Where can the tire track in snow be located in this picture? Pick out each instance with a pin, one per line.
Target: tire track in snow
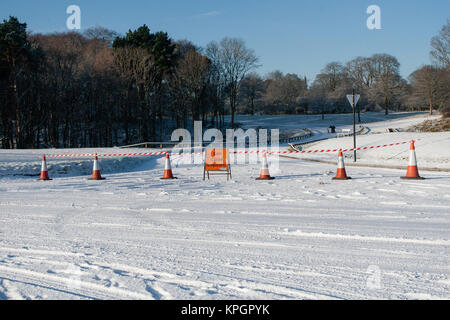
(92, 289)
(440, 242)
(43, 252)
(3, 290)
(149, 277)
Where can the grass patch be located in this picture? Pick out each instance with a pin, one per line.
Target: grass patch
(438, 125)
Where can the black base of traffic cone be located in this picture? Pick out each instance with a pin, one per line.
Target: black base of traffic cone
(412, 178)
(334, 178)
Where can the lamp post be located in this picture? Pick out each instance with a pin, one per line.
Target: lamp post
(353, 99)
(354, 124)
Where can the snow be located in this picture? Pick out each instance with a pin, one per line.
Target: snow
(432, 149)
(376, 121)
(300, 236)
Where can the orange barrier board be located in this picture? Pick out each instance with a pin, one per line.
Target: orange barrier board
(217, 160)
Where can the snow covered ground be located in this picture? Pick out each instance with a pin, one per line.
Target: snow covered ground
(300, 236)
(432, 149)
(377, 122)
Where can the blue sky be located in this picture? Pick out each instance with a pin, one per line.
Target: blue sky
(292, 36)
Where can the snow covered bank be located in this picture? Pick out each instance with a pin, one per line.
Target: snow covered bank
(25, 163)
(432, 149)
(377, 122)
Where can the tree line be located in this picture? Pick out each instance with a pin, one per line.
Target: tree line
(376, 78)
(99, 89)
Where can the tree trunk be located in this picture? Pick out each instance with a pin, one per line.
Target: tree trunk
(386, 106)
(430, 101)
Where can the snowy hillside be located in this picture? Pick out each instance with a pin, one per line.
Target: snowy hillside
(378, 122)
(432, 149)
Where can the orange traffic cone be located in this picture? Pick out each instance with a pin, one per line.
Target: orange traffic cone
(412, 172)
(341, 174)
(264, 173)
(96, 170)
(44, 171)
(168, 169)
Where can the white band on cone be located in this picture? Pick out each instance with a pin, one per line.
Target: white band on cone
(265, 165)
(96, 166)
(44, 166)
(167, 166)
(412, 158)
(340, 163)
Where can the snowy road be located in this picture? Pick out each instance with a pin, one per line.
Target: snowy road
(301, 236)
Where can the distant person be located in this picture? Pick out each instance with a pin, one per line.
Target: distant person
(332, 129)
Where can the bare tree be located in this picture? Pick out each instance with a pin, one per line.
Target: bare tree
(362, 72)
(440, 53)
(216, 84)
(424, 83)
(387, 79)
(190, 81)
(236, 60)
(284, 92)
(252, 88)
(443, 91)
(101, 34)
(332, 74)
(329, 88)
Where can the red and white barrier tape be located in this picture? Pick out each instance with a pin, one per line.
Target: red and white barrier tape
(352, 149)
(106, 155)
(234, 152)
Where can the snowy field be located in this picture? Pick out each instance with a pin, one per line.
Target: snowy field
(377, 122)
(432, 149)
(300, 236)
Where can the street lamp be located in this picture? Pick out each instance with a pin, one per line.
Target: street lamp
(353, 99)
